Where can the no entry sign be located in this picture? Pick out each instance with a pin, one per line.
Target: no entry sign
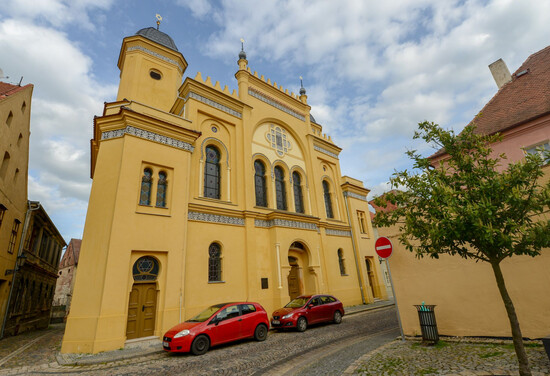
(383, 247)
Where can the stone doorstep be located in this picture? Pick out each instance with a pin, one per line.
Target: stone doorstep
(132, 348)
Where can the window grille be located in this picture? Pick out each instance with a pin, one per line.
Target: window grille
(259, 183)
(212, 173)
(146, 182)
(328, 201)
(280, 188)
(298, 198)
(214, 263)
(161, 190)
(341, 262)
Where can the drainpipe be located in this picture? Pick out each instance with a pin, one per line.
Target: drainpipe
(32, 205)
(354, 250)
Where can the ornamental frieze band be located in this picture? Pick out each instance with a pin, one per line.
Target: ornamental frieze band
(337, 232)
(214, 104)
(355, 195)
(285, 223)
(215, 218)
(153, 53)
(318, 148)
(274, 103)
(148, 136)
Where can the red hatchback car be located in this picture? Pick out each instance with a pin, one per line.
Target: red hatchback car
(306, 310)
(218, 324)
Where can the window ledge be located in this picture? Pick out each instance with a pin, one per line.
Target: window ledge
(215, 282)
(344, 275)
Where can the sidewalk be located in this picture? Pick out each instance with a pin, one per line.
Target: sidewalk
(453, 356)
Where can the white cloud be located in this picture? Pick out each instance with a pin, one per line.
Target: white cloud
(55, 13)
(199, 8)
(65, 99)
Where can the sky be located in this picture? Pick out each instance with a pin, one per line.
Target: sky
(372, 70)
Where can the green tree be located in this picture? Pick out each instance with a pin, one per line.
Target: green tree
(472, 204)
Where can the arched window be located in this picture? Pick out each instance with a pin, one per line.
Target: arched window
(280, 188)
(259, 183)
(214, 263)
(146, 181)
(341, 262)
(161, 190)
(212, 173)
(145, 268)
(328, 202)
(298, 199)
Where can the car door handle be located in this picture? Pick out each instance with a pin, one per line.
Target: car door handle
(240, 319)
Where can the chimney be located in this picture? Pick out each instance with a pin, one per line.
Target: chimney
(500, 73)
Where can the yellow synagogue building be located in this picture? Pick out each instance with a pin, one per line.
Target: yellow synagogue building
(202, 196)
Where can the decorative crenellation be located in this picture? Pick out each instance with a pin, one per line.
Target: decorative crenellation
(337, 232)
(291, 94)
(214, 104)
(275, 103)
(148, 136)
(216, 86)
(215, 218)
(153, 53)
(355, 195)
(285, 223)
(322, 150)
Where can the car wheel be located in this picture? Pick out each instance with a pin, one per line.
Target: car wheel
(200, 345)
(301, 325)
(260, 334)
(337, 317)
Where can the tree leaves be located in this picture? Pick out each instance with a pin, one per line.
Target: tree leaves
(471, 203)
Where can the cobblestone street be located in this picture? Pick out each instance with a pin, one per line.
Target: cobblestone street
(316, 351)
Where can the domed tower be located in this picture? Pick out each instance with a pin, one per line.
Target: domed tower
(151, 69)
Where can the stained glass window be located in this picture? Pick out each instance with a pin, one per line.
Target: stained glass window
(212, 173)
(146, 268)
(214, 263)
(280, 189)
(146, 182)
(341, 262)
(298, 199)
(161, 190)
(328, 202)
(259, 183)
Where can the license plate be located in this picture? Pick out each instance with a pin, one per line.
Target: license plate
(166, 344)
(275, 322)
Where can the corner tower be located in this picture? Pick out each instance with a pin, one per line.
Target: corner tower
(151, 69)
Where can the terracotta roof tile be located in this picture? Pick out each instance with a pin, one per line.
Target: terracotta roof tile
(524, 98)
(8, 89)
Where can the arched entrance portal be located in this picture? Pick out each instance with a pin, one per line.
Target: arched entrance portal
(142, 305)
(301, 277)
(294, 278)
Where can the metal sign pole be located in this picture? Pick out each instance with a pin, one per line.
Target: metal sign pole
(395, 299)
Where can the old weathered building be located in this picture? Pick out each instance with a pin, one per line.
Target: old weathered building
(65, 282)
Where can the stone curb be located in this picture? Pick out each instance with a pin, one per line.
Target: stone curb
(389, 304)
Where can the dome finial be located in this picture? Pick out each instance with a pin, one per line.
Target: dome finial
(159, 18)
(302, 89)
(242, 54)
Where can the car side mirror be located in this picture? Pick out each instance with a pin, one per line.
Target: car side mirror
(214, 321)
(310, 306)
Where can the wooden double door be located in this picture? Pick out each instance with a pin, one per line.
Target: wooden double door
(142, 309)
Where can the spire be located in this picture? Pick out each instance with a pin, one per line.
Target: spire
(159, 18)
(242, 54)
(302, 88)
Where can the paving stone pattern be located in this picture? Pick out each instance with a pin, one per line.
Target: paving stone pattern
(244, 358)
(450, 357)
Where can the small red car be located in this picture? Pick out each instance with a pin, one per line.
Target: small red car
(306, 310)
(218, 324)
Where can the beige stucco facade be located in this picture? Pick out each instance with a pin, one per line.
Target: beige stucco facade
(153, 132)
(15, 113)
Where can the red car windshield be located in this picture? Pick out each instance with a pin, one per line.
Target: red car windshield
(297, 303)
(206, 314)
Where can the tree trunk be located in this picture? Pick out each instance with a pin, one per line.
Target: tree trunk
(524, 369)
